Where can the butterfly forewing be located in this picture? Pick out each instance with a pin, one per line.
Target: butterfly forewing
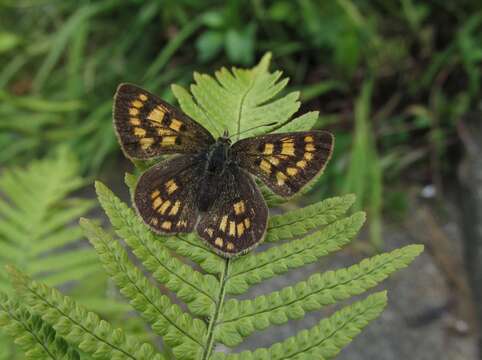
(165, 195)
(148, 127)
(236, 221)
(285, 162)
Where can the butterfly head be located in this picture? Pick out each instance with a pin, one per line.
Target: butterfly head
(225, 138)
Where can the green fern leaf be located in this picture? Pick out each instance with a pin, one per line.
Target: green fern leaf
(194, 288)
(78, 326)
(300, 221)
(256, 267)
(180, 331)
(303, 122)
(245, 98)
(35, 213)
(323, 341)
(242, 318)
(37, 339)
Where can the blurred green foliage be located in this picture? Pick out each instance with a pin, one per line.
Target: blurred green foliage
(391, 78)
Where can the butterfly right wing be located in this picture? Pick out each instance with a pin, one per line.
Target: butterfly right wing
(236, 221)
(148, 127)
(166, 194)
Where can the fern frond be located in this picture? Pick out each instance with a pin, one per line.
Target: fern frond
(37, 339)
(180, 331)
(325, 340)
(256, 267)
(247, 97)
(197, 290)
(36, 210)
(303, 122)
(78, 326)
(299, 237)
(300, 221)
(242, 318)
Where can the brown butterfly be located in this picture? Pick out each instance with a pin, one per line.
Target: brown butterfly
(209, 185)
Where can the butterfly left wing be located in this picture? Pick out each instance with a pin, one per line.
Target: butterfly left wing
(287, 161)
(236, 222)
(148, 127)
(166, 194)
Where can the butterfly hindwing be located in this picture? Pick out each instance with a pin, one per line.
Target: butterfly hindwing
(285, 162)
(148, 127)
(236, 221)
(166, 195)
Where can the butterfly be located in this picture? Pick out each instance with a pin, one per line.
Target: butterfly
(209, 185)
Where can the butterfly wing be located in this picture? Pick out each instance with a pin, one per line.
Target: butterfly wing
(148, 127)
(285, 162)
(236, 221)
(166, 194)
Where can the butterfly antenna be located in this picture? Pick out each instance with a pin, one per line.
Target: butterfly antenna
(254, 127)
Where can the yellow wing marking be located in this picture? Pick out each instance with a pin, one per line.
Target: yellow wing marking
(230, 246)
(240, 229)
(301, 164)
(146, 143)
(137, 104)
(168, 140)
(239, 207)
(164, 207)
(265, 166)
(157, 114)
(175, 125)
(156, 203)
(171, 186)
(210, 232)
(140, 132)
(175, 208)
(224, 222)
(166, 225)
(310, 147)
(218, 242)
(232, 228)
(288, 148)
(268, 149)
(291, 171)
(281, 178)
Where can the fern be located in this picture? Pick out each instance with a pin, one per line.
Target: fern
(35, 211)
(37, 339)
(212, 315)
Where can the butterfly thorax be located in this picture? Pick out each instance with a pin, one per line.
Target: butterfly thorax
(218, 159)
(218, 156)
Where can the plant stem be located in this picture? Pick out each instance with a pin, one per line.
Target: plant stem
(219, 306)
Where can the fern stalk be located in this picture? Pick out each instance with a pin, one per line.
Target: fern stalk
(217, 311)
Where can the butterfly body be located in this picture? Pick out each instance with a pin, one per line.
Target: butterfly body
(218, 162)
(209, 185)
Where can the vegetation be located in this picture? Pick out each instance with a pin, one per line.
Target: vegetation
(48, 324)
(412, 69)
